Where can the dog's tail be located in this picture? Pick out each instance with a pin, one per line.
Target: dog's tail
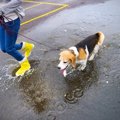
(101, 38)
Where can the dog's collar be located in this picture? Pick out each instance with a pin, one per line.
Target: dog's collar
(74, 51)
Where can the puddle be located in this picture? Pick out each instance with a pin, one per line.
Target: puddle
(79, 81)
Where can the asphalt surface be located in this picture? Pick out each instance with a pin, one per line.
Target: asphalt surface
(44, 94)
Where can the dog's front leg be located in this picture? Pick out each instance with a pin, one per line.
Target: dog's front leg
(82, 64)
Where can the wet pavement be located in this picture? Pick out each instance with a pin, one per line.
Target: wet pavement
(44, 94)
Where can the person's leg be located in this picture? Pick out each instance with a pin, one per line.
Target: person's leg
(18, 46)
(25, 46)
(2, 39)
(12, 48)
(11, 34)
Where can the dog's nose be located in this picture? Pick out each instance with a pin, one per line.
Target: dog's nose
(58, 67)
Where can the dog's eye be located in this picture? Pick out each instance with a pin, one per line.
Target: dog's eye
(64, 62)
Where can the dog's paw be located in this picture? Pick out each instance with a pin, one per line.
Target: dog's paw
(81, 67)
(91, 57)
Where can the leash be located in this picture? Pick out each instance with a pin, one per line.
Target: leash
(12, 31)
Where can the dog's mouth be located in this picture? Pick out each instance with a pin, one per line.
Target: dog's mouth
(63, 70)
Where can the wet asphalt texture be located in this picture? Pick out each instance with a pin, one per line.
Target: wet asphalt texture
(43, 93)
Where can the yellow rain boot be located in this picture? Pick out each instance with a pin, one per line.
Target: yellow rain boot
(24, 67)
(27, 48)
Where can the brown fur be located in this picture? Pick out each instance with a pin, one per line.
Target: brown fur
(68, 56)
(101, 38)
(82, 54)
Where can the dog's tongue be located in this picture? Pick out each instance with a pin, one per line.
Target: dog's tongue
(62, 71)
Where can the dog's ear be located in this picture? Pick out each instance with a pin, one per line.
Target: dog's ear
(72, 59)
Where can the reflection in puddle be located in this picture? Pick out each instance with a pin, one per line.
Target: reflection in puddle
(78, 93)
(70, 98)
(79, 81)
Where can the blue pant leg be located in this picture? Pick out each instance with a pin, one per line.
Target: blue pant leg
(15, 26)
(18, 46)
(2, 38)
(11, 37)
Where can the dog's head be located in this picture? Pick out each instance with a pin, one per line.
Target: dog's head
(67, 58)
